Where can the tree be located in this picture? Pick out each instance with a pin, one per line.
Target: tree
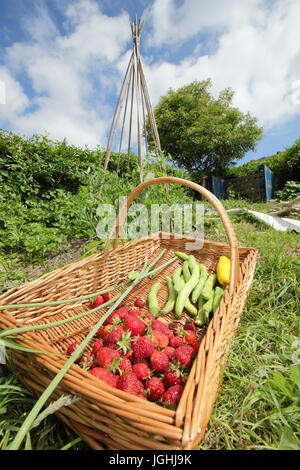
(202, 133)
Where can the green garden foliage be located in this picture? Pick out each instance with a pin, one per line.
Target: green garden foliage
(285, 166)
(202, 133)
(50, 191)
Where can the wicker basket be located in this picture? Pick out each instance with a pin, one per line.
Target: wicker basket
(106, 417)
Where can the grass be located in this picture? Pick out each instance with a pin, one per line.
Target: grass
(259, 405)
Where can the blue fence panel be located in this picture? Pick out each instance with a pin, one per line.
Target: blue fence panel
(268, 181)
(218, 187)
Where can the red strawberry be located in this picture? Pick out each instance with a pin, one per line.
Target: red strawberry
(105, 356)
(170, 352)
(190, 326)
(159, 361)
(135, 325)
(141, 370)
(190, 337)
(160, 326)
(160, 339)
(196, 347)
(172, 377)
(172, 395)
(105, 375)
(139, 303)
(125, 343)
(134, 313)
(155, 388)
(114, 335)
(150, 317)
(97, 301)
(104, 330)
(135, 360)
(72, 348)
(86, 360)
(143, 347)
(176, 341)
(125, 365)
(117, 316)
(184, 355)
(120, 365)
(106, 296)
(128, 382)
(97, 345)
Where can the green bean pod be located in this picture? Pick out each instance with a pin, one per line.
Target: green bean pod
(177, 278)
(219, 293)
(179, 285)
(181, 255)
(200, 319)
(152, 299)
(186, 271)
(190, 307)
(208, 305)
(170, 304)
(208, 286)
(202, 279)
(186, 290)
(192, 262)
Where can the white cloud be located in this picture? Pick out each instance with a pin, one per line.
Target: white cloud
(14, 99)
(257, 54)
(73, 74)
(65, 72)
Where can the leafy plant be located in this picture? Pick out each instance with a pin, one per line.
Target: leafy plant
(290, 191)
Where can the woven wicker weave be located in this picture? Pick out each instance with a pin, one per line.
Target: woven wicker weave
(106, 417)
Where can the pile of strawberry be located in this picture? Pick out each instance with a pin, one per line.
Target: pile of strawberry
(141, 355)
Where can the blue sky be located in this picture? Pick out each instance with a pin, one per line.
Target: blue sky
(62, 61)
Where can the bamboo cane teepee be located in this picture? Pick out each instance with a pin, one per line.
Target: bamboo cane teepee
(133, 100)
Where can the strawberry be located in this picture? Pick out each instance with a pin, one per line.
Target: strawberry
(135, 325)
(170, 352)
(128, 382)
(143, 347)
(184, 354)
(190, 337)
(72, 348)
(114, 335)
(160, 339)
(190, 326)
(86, 360)
(125, 343)
(159, 361)
(172, 377)
(96, 346)
(141, 370)
(140, 303)
(105, 356)
(160, 326)
(105, 375)
(104, 330)
(97, 301)
(120, 365)
(134, 313)
(135, 360)
(196, 348)
(155, 388)
(172, 395)
(106, 296)
(118, 316)
(176, 341)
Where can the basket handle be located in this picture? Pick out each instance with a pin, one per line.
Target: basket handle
(231, 236)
